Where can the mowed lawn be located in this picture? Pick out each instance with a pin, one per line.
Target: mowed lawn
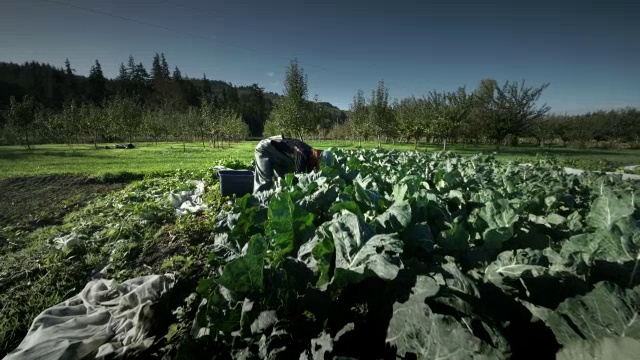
(150, 157)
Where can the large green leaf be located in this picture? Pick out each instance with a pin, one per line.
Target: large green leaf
(516, 264)
(607, 209)
(535, 275)
(251, 219)
(456, 238)
(606, 311)
(399, 192)
(619, 244)
(348, 205)
(287, 225)
(494, 237)
(320, 200)
(415, 329)
(348, 245)
(419, 236)
(447, 179)
(367, 199)
(379, 256)
(605, 348)
(358, 253)
(428, 207)
(395, 219)
(318, 254)
(451, 277)
(244, 275)
(499, 217)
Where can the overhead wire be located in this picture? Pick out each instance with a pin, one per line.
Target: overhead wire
(199, 36)
(182, 32)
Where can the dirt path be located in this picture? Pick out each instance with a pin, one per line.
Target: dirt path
(32, 202)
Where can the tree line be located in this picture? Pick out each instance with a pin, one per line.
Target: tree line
(490, 114)
(41, 103)
(164, 105)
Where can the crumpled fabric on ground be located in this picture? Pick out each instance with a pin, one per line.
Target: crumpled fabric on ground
(188, 201)
(69, 240)
(105, 319)
(579, 172)
(572, 171)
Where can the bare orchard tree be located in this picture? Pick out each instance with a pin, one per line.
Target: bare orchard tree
(380, 115)
(67, 124)
(207, 122)
(449, 111)
(513, 110)
(232, 127)
(125, 115)
(291, 115)
(156, 123)
(412, 123)
(94, 121)
(358, 118)
(22, 117)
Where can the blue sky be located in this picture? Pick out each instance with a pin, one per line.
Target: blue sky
(588, 51)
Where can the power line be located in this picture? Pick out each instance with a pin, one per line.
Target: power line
(142, 22)
(195, 9)
(186, 33)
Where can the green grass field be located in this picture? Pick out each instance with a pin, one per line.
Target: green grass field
(148, 157)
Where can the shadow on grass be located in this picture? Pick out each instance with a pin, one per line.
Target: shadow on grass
(30, 154)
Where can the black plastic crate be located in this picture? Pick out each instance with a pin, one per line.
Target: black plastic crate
(235, 182)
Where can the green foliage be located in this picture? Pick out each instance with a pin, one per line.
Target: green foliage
(22, 117)
(490, 113)
(359, 124)
(67, 124)
(445, 241)
(386, 252)
(448, 111)
(126, 115)
(97, 89)
(381, 117)
(293, 115)
(128, 233)
(95, 121)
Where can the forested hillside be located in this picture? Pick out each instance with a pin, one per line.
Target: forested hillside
(163, 89)
(42, 103)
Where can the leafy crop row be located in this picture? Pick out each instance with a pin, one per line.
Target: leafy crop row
(402, 254)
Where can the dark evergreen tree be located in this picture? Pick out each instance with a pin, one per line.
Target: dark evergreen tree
(123, 82)
(166, 74)
(131, 66)
(206, 86)
(70, 87)
(67, 68)
(254, 108)
(97, 90)
(122, 74)
(140, 82)
(156, 69)
(140, 74)
(177, 75)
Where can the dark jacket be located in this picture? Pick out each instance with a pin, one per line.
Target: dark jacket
(298, 151)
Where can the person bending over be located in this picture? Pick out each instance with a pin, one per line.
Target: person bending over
(279, 155)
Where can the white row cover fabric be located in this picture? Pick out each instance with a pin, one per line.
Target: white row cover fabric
(188, 201)
(105, 319)
(572, 171)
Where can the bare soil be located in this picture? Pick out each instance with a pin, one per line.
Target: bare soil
(32, 202)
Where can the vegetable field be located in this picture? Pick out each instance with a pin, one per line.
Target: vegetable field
(391, 254)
